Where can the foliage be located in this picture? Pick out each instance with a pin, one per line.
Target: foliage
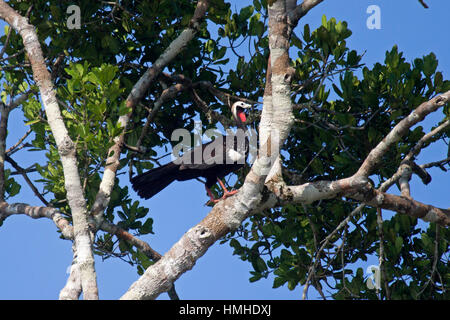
(344, 109)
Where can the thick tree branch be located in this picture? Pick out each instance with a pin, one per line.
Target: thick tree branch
(66, 147)
(375, 156)
(314, 191)
(225, 216)
(301, 10)
(228, 214)
(72, 290)
(400, 204)
(34, 212)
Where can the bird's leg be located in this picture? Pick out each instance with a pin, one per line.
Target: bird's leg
(226, 193)
(211, 196)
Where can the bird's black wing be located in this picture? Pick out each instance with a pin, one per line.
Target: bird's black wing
(203, 157)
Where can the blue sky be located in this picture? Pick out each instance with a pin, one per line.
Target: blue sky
(34, 261)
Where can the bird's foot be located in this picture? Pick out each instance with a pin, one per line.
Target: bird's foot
(225, 195)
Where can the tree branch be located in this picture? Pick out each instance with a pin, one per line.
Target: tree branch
(34, 212)
(72, 290)
(411, 207)
(66, 147)
(22, 171)
(136, 94)
(228, 214)
(375, 156)
(301, 10)
(4, 114)
(166, 95)
(422, 2)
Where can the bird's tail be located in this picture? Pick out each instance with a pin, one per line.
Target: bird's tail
(153, 181)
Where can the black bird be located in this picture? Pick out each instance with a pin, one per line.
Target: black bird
(213, 167)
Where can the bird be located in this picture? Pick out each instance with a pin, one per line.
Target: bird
(235, 151)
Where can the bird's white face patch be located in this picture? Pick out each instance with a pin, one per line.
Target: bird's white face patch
(234, 155)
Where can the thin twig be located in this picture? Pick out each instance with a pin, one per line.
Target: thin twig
(27, 179)
(8, 36)
(313, 267)
(435, 261)
(12, 149)
(381, 254)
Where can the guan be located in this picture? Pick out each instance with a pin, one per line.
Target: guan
(213, 165)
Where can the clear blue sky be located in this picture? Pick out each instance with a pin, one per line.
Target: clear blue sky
(33, 260)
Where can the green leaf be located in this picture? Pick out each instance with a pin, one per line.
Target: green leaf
(147, 227)
(337, 90)
(220, 53)
(398, 244)
(372, 135)
(438, 81)
(278, 282)
(430, 64)
(28, 123)
(306, 33)
(259, 265)
(246, 12)
(324, 21)
(257, 5)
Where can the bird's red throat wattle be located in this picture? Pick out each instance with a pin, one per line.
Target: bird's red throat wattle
(241, 115)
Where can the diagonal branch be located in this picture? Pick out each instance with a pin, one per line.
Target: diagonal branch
(136, 94)
(422, 2)
(301, 10)
(228, 214)
(375, 156)
(166, 95)
(16, 147)
(23, 172)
